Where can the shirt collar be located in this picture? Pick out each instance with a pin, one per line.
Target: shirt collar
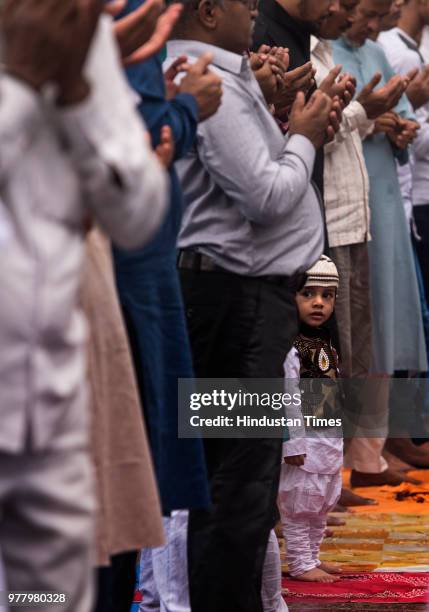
(320, 45)
(349, 43)
(407, 37)
(226, 60)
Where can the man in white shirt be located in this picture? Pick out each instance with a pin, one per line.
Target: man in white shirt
(72, 149)
(401, 46)
(348, 216)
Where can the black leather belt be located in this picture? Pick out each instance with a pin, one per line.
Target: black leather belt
(192, 260)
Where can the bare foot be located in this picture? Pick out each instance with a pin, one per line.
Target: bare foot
(395, 463)
(388, 477)
(330, 568)
(316, 575)
(340, 508)
(335, 521)
(411, 479)
(348, 498)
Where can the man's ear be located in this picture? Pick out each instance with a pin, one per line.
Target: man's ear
(207, 13)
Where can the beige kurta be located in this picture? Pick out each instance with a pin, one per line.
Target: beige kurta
(129, 515)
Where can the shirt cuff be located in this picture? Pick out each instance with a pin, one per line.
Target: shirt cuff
(358, 119)
(291, 448)
(303, 147)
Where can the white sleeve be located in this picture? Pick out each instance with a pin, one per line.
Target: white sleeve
(264, 189)
(354, 118)
(420, 146)
(296, 444)
(21, 119)
(124, 185)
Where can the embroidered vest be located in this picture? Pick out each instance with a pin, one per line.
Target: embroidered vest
(318, 371)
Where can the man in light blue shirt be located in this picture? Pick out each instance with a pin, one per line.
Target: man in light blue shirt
(252, 225)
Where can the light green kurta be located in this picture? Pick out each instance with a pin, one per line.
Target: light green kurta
(397, 321)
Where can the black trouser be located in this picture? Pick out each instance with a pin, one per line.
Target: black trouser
(239, 328)
(421, 216)
(116, 584)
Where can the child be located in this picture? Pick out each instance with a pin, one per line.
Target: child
(310, 482)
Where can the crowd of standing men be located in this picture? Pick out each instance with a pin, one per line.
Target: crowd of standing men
(158, 212)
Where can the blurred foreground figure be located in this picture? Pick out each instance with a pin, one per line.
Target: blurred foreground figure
(71, 148)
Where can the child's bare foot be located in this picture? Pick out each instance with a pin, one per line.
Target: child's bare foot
(316, 575)
(330, 568)
(335, 521)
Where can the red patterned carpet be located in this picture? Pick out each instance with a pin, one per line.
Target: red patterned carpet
(380, 588)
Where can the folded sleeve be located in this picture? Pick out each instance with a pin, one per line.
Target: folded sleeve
(295, 445)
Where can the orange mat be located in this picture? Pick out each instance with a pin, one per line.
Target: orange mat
(404, 499)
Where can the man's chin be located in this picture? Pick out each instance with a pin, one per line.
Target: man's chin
(359, 40)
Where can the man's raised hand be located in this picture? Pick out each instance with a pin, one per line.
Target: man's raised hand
(299, 79)
(312, 119)
(159, 37)
(378, 102)
(418, 88)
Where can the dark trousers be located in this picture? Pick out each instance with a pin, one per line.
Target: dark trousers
(239, 328)
(421, 216)
(116, 584)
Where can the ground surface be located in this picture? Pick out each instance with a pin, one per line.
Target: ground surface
(356, 607)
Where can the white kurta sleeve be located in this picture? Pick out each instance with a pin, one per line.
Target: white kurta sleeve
(21, 118)
(296, 444)
(124, 185)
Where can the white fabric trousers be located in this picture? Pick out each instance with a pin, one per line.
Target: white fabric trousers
(47, 526)
(163, 576)
(305, 499)
(364, 455)
(272, 599)
(364, 451)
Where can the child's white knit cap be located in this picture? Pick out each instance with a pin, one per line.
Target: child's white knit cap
(324, 273)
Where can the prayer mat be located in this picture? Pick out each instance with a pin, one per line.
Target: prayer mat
(374, 588)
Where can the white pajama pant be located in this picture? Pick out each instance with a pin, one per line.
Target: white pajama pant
(47, 510)
(364, 455)
(272, 599)
(305, 499)
(364, 452)
(163, 576)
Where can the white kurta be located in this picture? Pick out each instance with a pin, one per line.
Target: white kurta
(308, 492)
